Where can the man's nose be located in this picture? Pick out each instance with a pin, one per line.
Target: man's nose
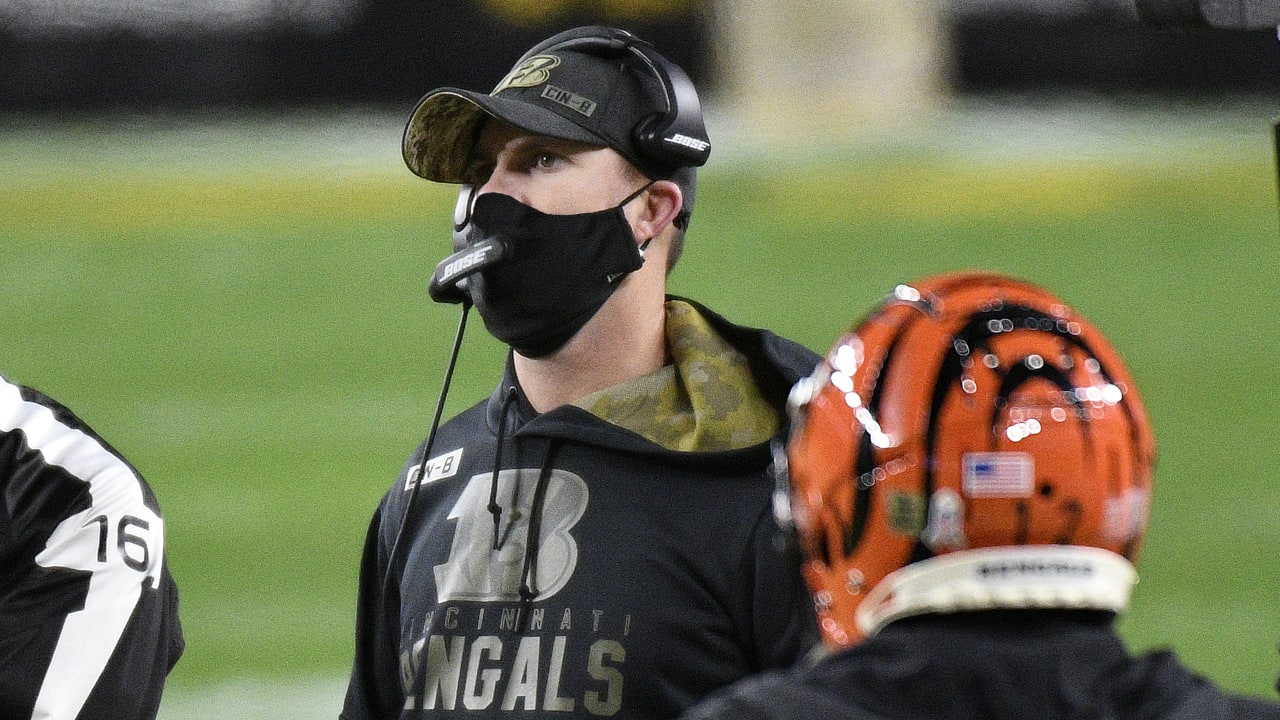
(499, 181)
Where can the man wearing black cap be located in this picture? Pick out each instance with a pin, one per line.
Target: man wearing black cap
(596, 538)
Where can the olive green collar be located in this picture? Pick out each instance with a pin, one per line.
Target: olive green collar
(704, 400)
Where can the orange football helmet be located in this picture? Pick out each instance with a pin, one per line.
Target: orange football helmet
(972, 444)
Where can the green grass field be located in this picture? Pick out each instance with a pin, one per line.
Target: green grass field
(240, 306)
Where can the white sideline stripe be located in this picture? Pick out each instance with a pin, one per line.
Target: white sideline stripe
(258, 698)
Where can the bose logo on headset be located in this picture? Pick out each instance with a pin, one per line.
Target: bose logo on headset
(689, 142)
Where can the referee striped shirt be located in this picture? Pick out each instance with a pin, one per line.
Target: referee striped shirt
(88, 610)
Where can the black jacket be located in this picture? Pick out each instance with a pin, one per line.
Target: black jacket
(619, 578)
(1014, 665)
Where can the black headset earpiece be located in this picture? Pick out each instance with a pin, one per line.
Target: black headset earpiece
(668, 140)
(677, 138)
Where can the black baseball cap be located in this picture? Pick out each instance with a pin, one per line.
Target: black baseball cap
(585, 86)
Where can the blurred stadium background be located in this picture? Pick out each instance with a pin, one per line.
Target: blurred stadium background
(213, 252)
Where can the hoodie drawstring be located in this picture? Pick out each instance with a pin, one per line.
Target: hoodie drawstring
(494, 508)
(529, 573)
(529, 566)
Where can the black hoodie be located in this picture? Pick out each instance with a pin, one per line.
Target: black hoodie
(556, 565)
(995, 665)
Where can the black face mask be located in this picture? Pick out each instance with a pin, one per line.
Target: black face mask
(558, 271)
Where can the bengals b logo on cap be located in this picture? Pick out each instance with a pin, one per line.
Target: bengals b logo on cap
(530, 73)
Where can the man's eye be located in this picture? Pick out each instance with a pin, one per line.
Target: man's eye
(545, 160)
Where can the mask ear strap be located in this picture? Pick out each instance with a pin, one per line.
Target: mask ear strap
(644, 245)
(636, 194)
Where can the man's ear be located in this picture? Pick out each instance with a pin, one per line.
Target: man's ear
(662, 202)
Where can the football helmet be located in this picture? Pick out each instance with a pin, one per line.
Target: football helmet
(972, 444)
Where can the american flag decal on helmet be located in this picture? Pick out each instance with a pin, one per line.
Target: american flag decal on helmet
(998, 474)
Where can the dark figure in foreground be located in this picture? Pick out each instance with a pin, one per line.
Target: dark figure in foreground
(970, 472)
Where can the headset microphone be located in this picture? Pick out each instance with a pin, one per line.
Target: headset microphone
(449, 281)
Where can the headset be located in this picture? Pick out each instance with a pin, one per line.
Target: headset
(667, 141)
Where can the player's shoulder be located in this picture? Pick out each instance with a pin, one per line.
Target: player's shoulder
(775, 695)
(17, 401)
(1207, 701)
(29, 411)
(48, 449)
(1250, 708)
